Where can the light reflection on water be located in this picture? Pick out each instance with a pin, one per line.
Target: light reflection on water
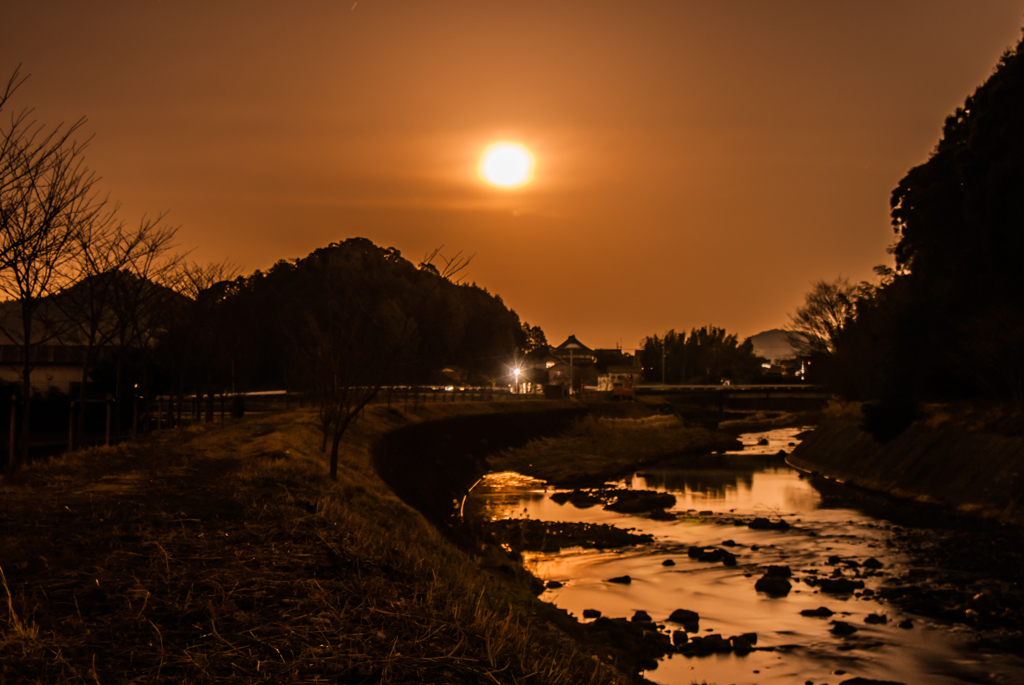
(710, 503)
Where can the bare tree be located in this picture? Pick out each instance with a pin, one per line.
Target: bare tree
(192, 278)
(46, 197)
(349, 350)
(816, 325)
(117, 296)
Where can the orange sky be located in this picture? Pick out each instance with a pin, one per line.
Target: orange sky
(697, 162)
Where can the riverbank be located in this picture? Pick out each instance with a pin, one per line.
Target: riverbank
(223, 553)
(968, 458)
(595, 450)
(957, 470)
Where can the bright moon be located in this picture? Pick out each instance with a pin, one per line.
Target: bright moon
(506, 165)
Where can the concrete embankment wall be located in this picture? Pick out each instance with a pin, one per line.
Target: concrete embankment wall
(973, 471)
(431, 465)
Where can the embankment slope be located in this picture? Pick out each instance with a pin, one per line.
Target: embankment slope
(939, 458)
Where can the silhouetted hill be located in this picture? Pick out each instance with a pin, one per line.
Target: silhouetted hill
(773, 345)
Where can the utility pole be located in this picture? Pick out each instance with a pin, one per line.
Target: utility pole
(663, 361)
(570, 373)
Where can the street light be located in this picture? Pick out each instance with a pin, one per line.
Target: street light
(515, 372)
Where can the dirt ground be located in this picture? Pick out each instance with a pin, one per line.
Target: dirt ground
(224, 554)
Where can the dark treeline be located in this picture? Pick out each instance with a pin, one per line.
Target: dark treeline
(707, 355)
(392, 321)
(947, 323)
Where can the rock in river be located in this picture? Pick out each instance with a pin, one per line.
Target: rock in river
(840, 586)
(690, 620)
(842, 628)
(622, 580)
(823, 612)
(773, 586)
(760, 523)
(639, 501)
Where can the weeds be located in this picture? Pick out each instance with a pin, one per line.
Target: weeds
(226, 555)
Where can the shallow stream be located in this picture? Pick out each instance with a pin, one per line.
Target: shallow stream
(715, 505)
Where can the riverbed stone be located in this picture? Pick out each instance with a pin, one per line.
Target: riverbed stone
(842, 628)
(840, 586)
(905, 624)
(668, 562)
(679, 637)
(641, 616)
(778, 571)
(773, 586)
(876, 619)
(641, 639)
(761, 523)
(553, 585)
(690, 620)
(621, 580)
(872, 563)
(640, 501)
(591, 613)
(740, 645)
(823, 612)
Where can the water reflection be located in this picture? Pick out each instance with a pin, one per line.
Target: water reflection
(714, 503)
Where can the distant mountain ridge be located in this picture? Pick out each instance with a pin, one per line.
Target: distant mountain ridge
(773, 345)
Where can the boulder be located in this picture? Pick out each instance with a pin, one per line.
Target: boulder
(842, 628)
(578, 498)
(591, 613)
(840, 586)
(679, 638)
(553, 585)
(823, 612)
(740, 645)
(621, 580)
(690, 620)
(761, 523)
(639, 501)
(778, 571)
(641, 616)
(876, 619)
(773, 586)
(872, 563)
(668, 562)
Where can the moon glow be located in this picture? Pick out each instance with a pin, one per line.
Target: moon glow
(506, 165)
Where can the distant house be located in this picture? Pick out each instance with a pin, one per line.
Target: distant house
(619, 377)
(59, 341)
(57, 354)
(575, 365)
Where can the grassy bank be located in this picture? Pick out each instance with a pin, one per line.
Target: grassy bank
(600, 449)
(225, 554)
(967, 457)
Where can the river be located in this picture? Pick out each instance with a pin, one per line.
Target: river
(713, 509)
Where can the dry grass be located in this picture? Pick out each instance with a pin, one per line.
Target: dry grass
(596, 449)
(226, 555)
